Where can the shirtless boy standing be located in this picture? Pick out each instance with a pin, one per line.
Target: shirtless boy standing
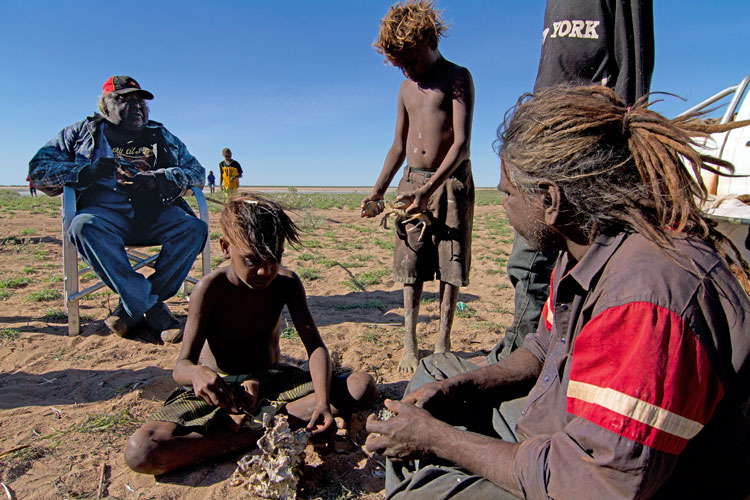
(433, 133)
(230, 355)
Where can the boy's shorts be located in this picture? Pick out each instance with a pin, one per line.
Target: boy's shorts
(279, 385)
(444, 251)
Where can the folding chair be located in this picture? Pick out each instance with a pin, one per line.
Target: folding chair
(139, 259)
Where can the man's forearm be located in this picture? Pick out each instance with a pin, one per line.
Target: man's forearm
(482, 455)
(511, 378)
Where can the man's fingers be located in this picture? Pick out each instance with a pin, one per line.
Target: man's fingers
(411, 398)
(374, 425)
(393, 405)
(375, 443)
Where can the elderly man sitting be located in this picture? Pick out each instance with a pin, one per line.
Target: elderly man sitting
(130, 174)
(639, 370)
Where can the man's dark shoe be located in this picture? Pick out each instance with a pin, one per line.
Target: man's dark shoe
(120, 323)
(161, 320)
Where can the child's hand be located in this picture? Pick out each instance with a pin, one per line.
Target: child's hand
(211, 388)
(414, 201)
(321, 413)
(246, 396)
(372, 206)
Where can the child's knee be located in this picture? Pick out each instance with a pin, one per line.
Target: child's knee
(362, 388)
(143, 451)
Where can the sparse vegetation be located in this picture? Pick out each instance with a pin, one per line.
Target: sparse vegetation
(308, 273)
(122, 422)
(43, 295)
(464, 310)
(288, 332)
(54, 315)
(8, 335)
(18, 282)
(367, 304)
(366, 279)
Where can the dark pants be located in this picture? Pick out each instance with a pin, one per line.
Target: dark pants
(417, 480)
(529, 272)
(100, 235)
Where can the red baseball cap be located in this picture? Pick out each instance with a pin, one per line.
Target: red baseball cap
(122, 84)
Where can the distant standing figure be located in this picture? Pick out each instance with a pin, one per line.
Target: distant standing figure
(433, 133)
(32, 189)
(211, 181)
(230, 172)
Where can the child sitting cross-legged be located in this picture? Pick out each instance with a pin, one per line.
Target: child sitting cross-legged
(230, 358)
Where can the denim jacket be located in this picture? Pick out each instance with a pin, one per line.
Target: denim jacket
(60, 161)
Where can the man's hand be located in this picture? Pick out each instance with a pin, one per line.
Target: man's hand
(144, 182)
(438, 399)
(102, 168)
(321, 412)
(372, 206)
(409, 433)
(211, 388)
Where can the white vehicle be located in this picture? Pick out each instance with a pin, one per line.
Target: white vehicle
(731, 205)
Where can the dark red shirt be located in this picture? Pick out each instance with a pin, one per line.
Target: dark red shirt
(644, 389)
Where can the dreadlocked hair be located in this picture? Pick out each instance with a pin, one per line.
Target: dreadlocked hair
(406, 25)
(619, 168)
(258, 226)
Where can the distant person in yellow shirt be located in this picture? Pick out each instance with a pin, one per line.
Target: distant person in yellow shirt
(230, 173)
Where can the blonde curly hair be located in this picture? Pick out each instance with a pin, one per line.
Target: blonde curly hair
(408, 24)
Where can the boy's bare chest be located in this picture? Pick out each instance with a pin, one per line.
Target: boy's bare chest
(250, 312)
(425, 101)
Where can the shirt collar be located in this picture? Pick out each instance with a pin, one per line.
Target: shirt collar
(594, 259)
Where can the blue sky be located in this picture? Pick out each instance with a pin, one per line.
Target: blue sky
(294, 88)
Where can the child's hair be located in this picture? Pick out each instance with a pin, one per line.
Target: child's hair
(407, 24)
(225, 151)
(258, 226)
(619, 167)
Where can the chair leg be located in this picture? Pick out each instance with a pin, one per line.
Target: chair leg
(70, 269)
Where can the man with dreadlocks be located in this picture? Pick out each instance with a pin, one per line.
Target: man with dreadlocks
(233, 328)
(433, 134)
(640, 372)
(129, 174)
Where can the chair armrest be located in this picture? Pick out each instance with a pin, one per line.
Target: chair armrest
(68, 207)
(202, 205)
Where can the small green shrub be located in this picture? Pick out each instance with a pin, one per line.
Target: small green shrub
(54, 315)
(308, 274)
(44, 295)
(18, 282)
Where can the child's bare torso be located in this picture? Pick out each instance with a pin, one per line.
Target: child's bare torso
(429, 109)
(243, 325)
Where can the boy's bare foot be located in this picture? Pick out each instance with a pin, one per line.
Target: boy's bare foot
(408, 363)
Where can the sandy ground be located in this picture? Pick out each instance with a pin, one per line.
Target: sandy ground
(74, 400)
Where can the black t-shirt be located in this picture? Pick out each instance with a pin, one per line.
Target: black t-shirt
(133, 152)
(606, 42)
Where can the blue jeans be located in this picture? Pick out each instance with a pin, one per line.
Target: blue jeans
(529, 272)
(101, 234)
(436, 479)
